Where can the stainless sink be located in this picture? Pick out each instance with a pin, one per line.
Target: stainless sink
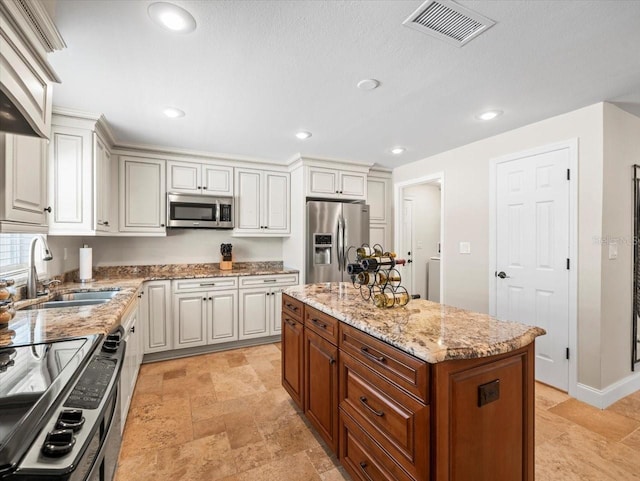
(82, 296)
(75, 299)
(57, 304)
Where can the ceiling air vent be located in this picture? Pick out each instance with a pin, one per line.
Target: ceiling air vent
(448, 21)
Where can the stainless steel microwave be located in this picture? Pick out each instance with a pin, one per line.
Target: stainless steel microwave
(199, 211)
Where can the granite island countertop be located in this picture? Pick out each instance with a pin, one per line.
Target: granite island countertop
(429, 331)
(42, 325)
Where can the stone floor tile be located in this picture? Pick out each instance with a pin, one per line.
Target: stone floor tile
(547, 396)
(296, 467)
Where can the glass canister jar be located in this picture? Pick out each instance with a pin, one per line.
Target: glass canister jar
(5, 293)
(6, 302)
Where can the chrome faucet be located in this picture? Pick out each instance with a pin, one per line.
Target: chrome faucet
(32, 279)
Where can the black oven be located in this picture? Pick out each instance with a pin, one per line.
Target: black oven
(64, 410)
(199, 211)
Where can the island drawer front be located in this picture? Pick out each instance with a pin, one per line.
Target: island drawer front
(205, 284)
(394, 419)
(322, 324)
(292, 306)
(400, 368)
(363, 458)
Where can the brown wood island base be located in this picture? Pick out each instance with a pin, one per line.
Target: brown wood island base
(389, 413)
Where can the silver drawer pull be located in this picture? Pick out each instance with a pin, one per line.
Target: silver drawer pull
(319, 323)
(203, 284)
(270, 280)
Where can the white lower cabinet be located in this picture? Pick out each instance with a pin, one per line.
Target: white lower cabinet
(132, 358)
(260, 307)
(205, 311)
(155, 316)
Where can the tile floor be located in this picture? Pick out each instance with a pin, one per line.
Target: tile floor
(224, 416)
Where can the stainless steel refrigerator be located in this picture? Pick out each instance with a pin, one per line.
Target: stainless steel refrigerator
(334, 230)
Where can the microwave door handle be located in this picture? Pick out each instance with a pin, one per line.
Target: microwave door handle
(218, 212)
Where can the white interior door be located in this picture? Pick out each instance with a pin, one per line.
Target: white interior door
(532, 250)
(407, 245)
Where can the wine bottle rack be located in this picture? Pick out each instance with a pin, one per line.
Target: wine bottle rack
(373, 271)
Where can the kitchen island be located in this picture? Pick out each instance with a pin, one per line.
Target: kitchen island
(421, 392)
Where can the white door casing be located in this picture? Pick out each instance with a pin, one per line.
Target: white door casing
(407, 245)
(532, 252)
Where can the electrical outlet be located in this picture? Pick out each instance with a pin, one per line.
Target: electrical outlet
(613, 250)
(465, 247)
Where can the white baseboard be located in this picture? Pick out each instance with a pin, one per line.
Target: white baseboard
(612, 393)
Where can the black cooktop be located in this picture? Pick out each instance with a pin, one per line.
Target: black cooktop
(32, 377)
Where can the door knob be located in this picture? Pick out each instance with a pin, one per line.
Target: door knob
(409, 261)
(502, 275)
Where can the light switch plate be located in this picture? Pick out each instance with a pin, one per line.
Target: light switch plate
(465, 247)
(419, 244)
(613, 250)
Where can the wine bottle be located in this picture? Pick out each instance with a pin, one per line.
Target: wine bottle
(366, 278)
(353, 269)
(389, 299)
(366, 251)
(372, 263)
(392, 278)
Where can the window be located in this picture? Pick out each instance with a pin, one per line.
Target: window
(14, 257)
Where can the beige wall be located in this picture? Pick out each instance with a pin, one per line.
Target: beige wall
(59, 265)
(466, 211)
(179, 247)
(621, 151)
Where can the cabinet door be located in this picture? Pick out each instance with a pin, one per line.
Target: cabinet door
(217, 180)
(293, 358)
(276, 205)
(222, 316)
(377, 200)
(254, 314)
(184, 177)
(189, 315)
(131, 363)
(276, 311)
(323, 181)
(70, 181)
(380, 234)
(25, 179)
(353, 184)
(142, 199)
(157, 316)
(249, 197)
(321, 386)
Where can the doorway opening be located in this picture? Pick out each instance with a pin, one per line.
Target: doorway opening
(419, 232)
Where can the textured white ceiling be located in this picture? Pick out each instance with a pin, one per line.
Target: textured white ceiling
(255, 72)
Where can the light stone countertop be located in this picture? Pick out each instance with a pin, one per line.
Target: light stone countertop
(429, 331)
(42, 325)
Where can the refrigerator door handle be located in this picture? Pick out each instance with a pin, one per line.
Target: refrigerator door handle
(339, 243)
(344, 246)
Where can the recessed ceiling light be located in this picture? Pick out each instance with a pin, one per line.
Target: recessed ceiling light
(173, 113)
(172, 17)
(368, 84)
(397, 150)
(302, 135)
(490, 114)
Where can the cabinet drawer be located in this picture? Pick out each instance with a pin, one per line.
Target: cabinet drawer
(400, 368)
(267, 281)
(321, 323)
(292, 306)
(205, 284)
(363, 459)
(394, 419)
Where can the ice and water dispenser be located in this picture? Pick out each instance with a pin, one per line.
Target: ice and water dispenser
(322, 245)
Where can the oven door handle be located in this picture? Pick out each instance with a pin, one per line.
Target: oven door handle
(97, 461)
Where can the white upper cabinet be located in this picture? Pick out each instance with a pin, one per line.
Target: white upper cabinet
(379, 197)
(23, 185)
(142, 195)
(336, 184)
(27, 35)
(262, 203)
(199, 178)
(80, 177)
